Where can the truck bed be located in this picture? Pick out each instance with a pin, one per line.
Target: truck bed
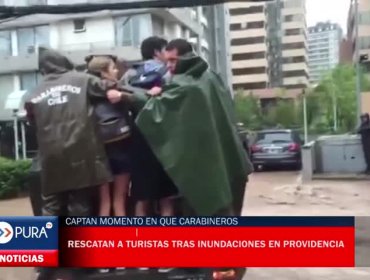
(135, 274)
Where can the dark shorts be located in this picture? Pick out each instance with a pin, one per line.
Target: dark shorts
(149, 179)
(118, 154)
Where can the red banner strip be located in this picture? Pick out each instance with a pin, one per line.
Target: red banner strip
(207, 247)
(29, 258)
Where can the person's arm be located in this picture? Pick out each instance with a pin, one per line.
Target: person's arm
(97, 89)
(136, 97)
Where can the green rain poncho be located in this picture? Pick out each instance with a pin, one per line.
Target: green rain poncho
(191, 129)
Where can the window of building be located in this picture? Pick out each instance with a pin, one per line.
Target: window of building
(292, 46)
(364, 18)
(249, 71)
(30, 38)
(364, 42)
(247, 41)
(130, 30)
(294, 59)
(255, 25)
(183, 32)
(247, 56)
(158, 25)
(292, 32)
(29, 80)
(5, 43)
(292, 18)
(244, 11)
(249, 86)
(295, 73)
(79, 25)
(247, 25)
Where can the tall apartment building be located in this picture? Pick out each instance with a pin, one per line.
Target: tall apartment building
(116, 32)
(363, 29)
(345, 51)
(269, 44)
(324, 41)
(248, 46)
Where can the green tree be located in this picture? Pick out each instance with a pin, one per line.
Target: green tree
(284, 114)
(248, 110)
(339, 87)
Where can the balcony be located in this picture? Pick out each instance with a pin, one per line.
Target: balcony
(253, 78)
(295, 52)
(248, 33)
(239, 64)
(248, 18)
(294, 39)
(295, 81)
(294, 25)
(76, 52)
(295, 66)
(249, 48)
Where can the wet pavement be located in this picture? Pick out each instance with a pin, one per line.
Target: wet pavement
(282, 194)
(272, 194)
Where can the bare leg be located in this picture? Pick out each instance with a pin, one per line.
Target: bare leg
(121, 187)
(141, 208)
(105, 203)
(167, 207)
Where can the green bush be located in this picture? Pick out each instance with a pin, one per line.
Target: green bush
(13, 177)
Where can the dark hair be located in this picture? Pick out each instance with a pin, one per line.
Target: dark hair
(150, 45)
(181, 45)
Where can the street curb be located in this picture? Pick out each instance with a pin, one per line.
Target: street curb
(336, 177)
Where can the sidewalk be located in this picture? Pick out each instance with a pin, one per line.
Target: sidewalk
(270, 194)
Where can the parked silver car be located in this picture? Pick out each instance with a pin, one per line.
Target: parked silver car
(280, 147)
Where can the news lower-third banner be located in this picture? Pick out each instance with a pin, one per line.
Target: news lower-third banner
(185, 241)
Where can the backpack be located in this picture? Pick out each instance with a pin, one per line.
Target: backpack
(113, 122)
(149, 79)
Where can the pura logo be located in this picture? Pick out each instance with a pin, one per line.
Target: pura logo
(6, 232)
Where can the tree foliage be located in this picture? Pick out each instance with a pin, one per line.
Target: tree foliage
(248, 110)
(336, 91)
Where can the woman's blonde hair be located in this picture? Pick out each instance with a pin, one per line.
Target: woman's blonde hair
(98, 64)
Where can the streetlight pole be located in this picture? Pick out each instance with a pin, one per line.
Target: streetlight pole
(357, 61)
(335, 114)
(305, 117)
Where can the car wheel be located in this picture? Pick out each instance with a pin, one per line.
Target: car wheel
(257, 167)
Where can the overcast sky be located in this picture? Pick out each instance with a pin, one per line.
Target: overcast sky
(322, 10)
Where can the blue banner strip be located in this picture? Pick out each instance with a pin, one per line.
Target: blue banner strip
(209, 221)
(29, 233)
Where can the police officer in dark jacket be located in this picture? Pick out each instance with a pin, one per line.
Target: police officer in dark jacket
(364, 131)
(72, 155)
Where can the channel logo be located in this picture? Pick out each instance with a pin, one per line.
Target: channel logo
(6, 232)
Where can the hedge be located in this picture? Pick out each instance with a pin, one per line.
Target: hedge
(13, 177)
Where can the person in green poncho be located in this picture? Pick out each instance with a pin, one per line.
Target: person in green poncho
(191, 128)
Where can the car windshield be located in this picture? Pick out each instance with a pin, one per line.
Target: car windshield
(274, 137)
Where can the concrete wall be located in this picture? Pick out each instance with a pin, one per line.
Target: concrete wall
(98, 31)
(365, 102)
